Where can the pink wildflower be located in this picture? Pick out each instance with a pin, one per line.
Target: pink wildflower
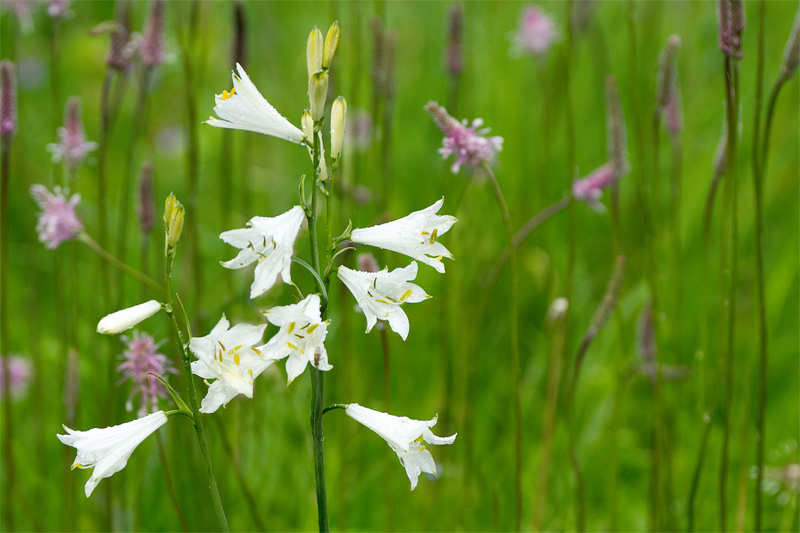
(57, 9)
(22, 9)
(536, 33)
(72, 146)
(731, 27)
(58, 221)
(8, 99)
(590, 188)
(367, 263)
(19, 373)
(152, 46)
(140, 360)
(468, 143)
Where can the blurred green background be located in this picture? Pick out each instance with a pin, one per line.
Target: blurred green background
(455, 362)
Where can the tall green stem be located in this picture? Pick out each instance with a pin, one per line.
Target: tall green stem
(123, 267)
(512, 254)
(758, 186)
(5, 168)
(196, 420)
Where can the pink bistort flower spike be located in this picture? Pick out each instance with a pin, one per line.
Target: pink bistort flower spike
(8, 99)
(536, 32)
(469, 144)
(590, 188)
(152, 46)
(19, 374)
(731, 27)
(72, 146)
(140, 359)
(58, 221)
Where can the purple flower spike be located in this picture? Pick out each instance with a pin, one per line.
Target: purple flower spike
(468, 143)
(19, 374)
(72, 146)
(536, 32)
(141, 359)
(590, 188)
(8, 99)
(58, 221)
(152, 47)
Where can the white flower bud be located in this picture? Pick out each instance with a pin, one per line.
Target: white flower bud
(127, 318)
(331, 42)
(307, 123)
(317, 94)
(338, 119)
(314, 52)
(173, 223)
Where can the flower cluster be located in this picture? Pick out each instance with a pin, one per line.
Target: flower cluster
(468, 143)
(140, 360)
(58, 221)
(19, 374)
(536, 32)
(72, 146)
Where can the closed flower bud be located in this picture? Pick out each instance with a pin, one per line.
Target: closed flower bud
(331, 43)
(146, 209)
(173, 222)
(127, 318)
(338, 120)
(615, 129)
(152, 46)
(314, 52)
(454, 54)
(307, 123)
(791, 56)
(8, 99)
(317, 94)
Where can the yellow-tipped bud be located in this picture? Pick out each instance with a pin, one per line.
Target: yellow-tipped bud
(317, 93)
(173, 222)
(338, 120)
(307, 123)
(331, 42)
(314, 52)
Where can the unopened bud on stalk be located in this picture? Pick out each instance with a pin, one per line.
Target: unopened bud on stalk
(314, 52)
(8, 99)
(146, 208)
(731, 26)
(667, 70)
(127, 318)
(173, 222)
(331, 43)
(791, 56)
(307, 123)
(322, 173)
(317, 94)
(338, 120)
(615, 129)
(152, 47)
(454, 55)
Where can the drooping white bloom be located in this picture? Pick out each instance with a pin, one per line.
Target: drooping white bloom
(245, 109)
(405, 436)
(127, 318)
(380, 294)
(227, 356)
(269, 241)
(108, 449)
(301, 337)
(413, 235)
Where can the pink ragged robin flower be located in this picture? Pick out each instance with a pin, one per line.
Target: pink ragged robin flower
(72, 146)
(140, 359)
(536, 32)
(469, 144)
(58, 221)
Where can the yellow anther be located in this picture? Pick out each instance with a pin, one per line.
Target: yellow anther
(292, 346)
(405, 295)
(382, 301)
(226, 94)
(375, 283)
(433, 236)
(250, 372)
(82, 467)
(235, 349)
(425, 233)
(418, 440)
(256, 350)
(312, 327)
(291, 327)
(236, 358)
(303, 352)
(223, 346)
(220, 357)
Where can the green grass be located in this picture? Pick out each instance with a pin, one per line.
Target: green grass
(270, 433)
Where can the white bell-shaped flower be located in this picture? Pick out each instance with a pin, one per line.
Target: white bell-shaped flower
(227, 356)
(107, 449)
(267, 241)
(380, 294)
(245, 109)
(405, 436)
(301, 337)
(413, 235)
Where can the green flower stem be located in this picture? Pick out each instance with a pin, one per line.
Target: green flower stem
(132, 272)
(512, 255)
(162, 455)
(196, 420)
(8, 426)
(317, 377)
(698, 469)
(758, 186)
